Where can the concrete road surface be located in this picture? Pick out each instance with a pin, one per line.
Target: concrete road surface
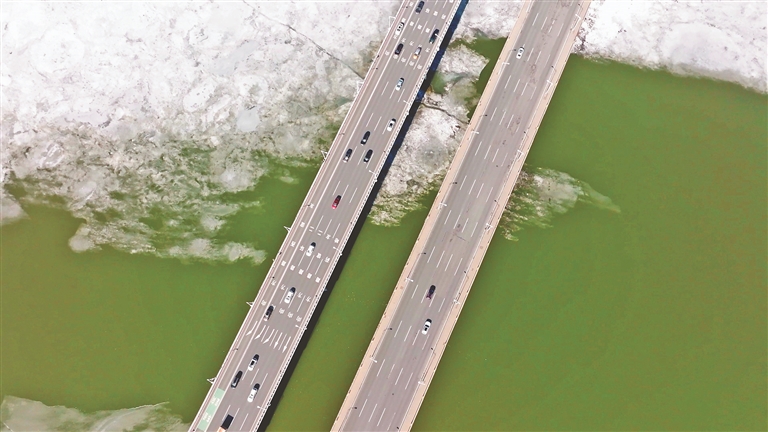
(274, 325)
(400, 362)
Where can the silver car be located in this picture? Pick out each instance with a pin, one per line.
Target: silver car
(289, 295)
(399, 84)
(520, 52)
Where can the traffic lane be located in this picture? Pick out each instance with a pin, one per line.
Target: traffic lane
(256, 315)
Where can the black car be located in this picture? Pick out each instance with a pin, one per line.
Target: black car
(368, 156)
(434, 36)
(399, 49)
(269, 312)
(237, 378)
(365, 137)
(419, 6)
(347, 155)
(431, 292)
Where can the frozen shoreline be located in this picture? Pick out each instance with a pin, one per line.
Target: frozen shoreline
(111, 112)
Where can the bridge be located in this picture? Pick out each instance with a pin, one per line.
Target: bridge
(411, 337)
(244, 386)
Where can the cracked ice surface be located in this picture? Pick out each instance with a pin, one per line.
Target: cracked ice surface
(138, 117)
(141, 116)
(432, 139)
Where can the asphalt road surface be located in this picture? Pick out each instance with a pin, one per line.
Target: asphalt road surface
(306, 259)
(383, 396)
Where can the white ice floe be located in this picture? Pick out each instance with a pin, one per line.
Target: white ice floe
(725, 40)
(20, 414)
(139, 117)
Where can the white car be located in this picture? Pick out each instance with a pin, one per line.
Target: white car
(253, 362)
(520, 52)
(399, 84)
(427, 323)
(399, 27)
(253, 392)
(289, 295)
(311, 248)
(391, 124)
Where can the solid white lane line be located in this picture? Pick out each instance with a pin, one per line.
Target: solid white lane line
(440, 260)
(458, 267)
(398, 328)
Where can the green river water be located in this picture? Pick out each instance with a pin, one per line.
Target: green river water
(651, 317)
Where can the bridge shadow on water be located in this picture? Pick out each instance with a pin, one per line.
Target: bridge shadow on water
(363, 216)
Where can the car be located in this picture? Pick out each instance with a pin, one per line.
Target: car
(226, 423)
(416, 53)
(237, 378)
(520, 52)
(391, 124)
(347, 155)
(254, 390)
(311, 248)
(399, 27)
(338, 198)
(433, 38)
(253, 362)
(289, 295)
(365, 137)
(368, 156)
(427, 323)
(268, 313)
(431, 292)
(398, 50)
(399, 84)
(419, 6)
